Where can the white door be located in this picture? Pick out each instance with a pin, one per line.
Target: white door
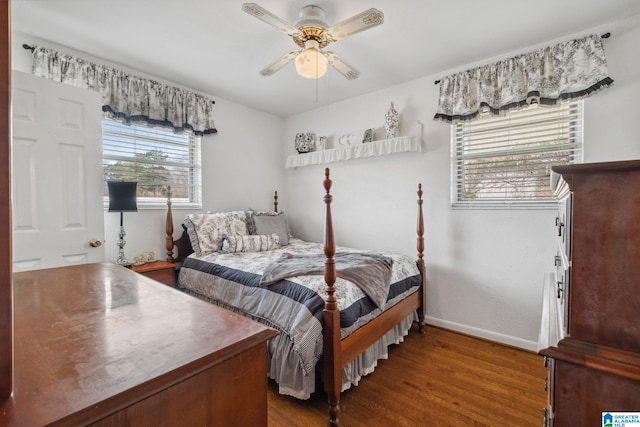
(57, 174)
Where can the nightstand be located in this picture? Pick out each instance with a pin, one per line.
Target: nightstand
(162, 271)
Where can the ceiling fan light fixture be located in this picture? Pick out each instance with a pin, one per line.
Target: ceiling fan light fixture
(311, 63)
(313, 34)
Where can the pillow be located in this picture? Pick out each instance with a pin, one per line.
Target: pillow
(251, 224)
(250, 243)
(269, 224)
(193, 236)
(206, 231)
(251, 213)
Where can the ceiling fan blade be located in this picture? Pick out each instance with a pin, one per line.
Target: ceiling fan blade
(268, 17)
(342, 67)
(363, 21)
(271, 69)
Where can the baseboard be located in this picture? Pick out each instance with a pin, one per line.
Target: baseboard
(484, 334)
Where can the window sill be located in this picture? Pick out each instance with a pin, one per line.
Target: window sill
(531, 205)
(163, 206)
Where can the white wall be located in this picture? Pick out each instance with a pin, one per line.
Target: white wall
(484, 266)
(242, 165)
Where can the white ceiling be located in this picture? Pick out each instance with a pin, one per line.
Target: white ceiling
(214, 47)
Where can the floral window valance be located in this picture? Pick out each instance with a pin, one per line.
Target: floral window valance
(128, 98)
(566, 71)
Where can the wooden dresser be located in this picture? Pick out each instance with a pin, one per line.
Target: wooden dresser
(590, 331)
(101, 345)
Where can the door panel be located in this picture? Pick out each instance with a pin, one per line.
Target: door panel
(57, 174)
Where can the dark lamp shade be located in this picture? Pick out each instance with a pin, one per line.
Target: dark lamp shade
(122, 196)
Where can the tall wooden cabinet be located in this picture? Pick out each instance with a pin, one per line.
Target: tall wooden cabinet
(590, 331)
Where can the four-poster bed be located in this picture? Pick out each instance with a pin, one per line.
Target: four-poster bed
(348, 345)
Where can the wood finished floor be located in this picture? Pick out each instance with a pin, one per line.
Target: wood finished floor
(440, 378)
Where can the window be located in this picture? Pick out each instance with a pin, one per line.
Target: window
(506, 160)
(154, 158)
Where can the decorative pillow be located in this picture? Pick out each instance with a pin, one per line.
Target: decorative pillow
(193, 236)
(251, 213)
(206, 230)
(269, 224)
(251, 223)
(250, 243)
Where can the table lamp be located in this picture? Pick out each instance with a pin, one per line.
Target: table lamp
(122, 198)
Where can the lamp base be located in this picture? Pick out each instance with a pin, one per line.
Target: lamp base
(122, 260)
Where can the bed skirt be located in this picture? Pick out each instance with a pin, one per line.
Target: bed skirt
(286, 368)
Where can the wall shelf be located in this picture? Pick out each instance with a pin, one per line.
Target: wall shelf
(369, 149)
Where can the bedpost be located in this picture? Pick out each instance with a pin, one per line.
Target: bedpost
(423, 288)
(275, 201)
(331, 316)
(169, 227)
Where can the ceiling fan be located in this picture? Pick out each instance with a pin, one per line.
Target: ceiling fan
(312, 34)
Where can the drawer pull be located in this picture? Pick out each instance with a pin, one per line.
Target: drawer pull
(560, 290)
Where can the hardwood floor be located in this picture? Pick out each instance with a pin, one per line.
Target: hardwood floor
(439, 378)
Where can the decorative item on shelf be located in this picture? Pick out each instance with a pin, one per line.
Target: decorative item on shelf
(122, 198)
(138, 260)
(391, 122)
(368, 135)
(345, 139)
(151, 256)
(351, 138)
(305, 142)
(321, 143)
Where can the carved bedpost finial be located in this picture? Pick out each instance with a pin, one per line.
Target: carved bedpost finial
(327, 180)
(275, 201)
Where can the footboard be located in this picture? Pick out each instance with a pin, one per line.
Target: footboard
(338, 352)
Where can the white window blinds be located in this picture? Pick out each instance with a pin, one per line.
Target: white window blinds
(500, 160)
(155, 159)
